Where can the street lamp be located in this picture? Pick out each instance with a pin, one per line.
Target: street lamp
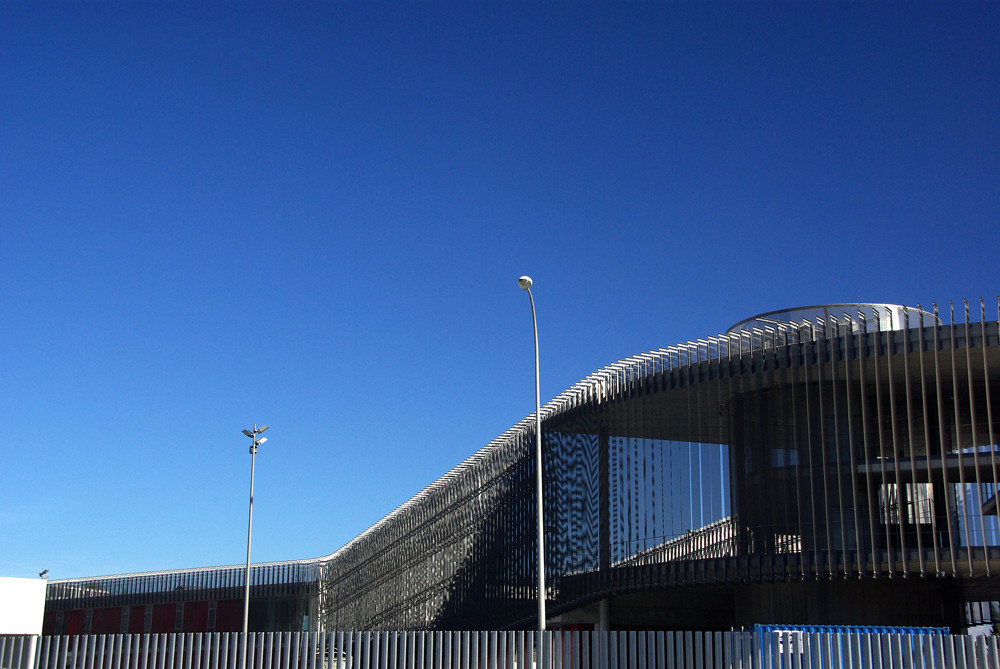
(525, 283)
(257, 441)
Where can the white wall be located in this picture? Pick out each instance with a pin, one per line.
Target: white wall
(22, 604)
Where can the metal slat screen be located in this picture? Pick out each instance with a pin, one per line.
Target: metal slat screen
(835, 442)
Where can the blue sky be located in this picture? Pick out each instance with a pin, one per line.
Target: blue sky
(313, 215)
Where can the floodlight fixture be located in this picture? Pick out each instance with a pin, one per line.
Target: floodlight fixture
(253, 434)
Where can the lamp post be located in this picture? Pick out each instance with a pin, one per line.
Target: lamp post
(525, 283)
(257, 441)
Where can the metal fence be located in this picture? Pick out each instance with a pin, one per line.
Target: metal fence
(495, 650)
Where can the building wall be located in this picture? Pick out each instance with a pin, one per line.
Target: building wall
(283, 597)
(22, 602)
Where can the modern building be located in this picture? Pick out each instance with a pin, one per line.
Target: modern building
(835, 464)
(283, 597)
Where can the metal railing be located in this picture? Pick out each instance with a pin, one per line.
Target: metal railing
(747, 649)
(267, 579)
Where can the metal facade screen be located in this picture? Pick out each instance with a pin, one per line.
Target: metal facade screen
(842, 443)
(839, 442)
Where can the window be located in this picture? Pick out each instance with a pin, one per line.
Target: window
(916, 506)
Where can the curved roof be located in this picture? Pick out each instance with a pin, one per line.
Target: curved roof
(885, 316)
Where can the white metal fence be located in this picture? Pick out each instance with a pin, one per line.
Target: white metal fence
(503, 650)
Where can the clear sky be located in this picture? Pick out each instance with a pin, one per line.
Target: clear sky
(313, 215)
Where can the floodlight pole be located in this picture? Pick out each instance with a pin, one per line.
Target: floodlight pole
(246, 578)
(525, 283)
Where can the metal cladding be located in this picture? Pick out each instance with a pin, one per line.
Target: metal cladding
(840, 441)
(810, 446)
(267, 579)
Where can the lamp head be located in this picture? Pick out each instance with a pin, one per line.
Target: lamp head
(524, 282)
(248, 433)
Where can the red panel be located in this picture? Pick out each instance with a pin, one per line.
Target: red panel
(163, 618)
(73, 622)
(107, 621)
(136, 618)
(195, 616)
(229, 615)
